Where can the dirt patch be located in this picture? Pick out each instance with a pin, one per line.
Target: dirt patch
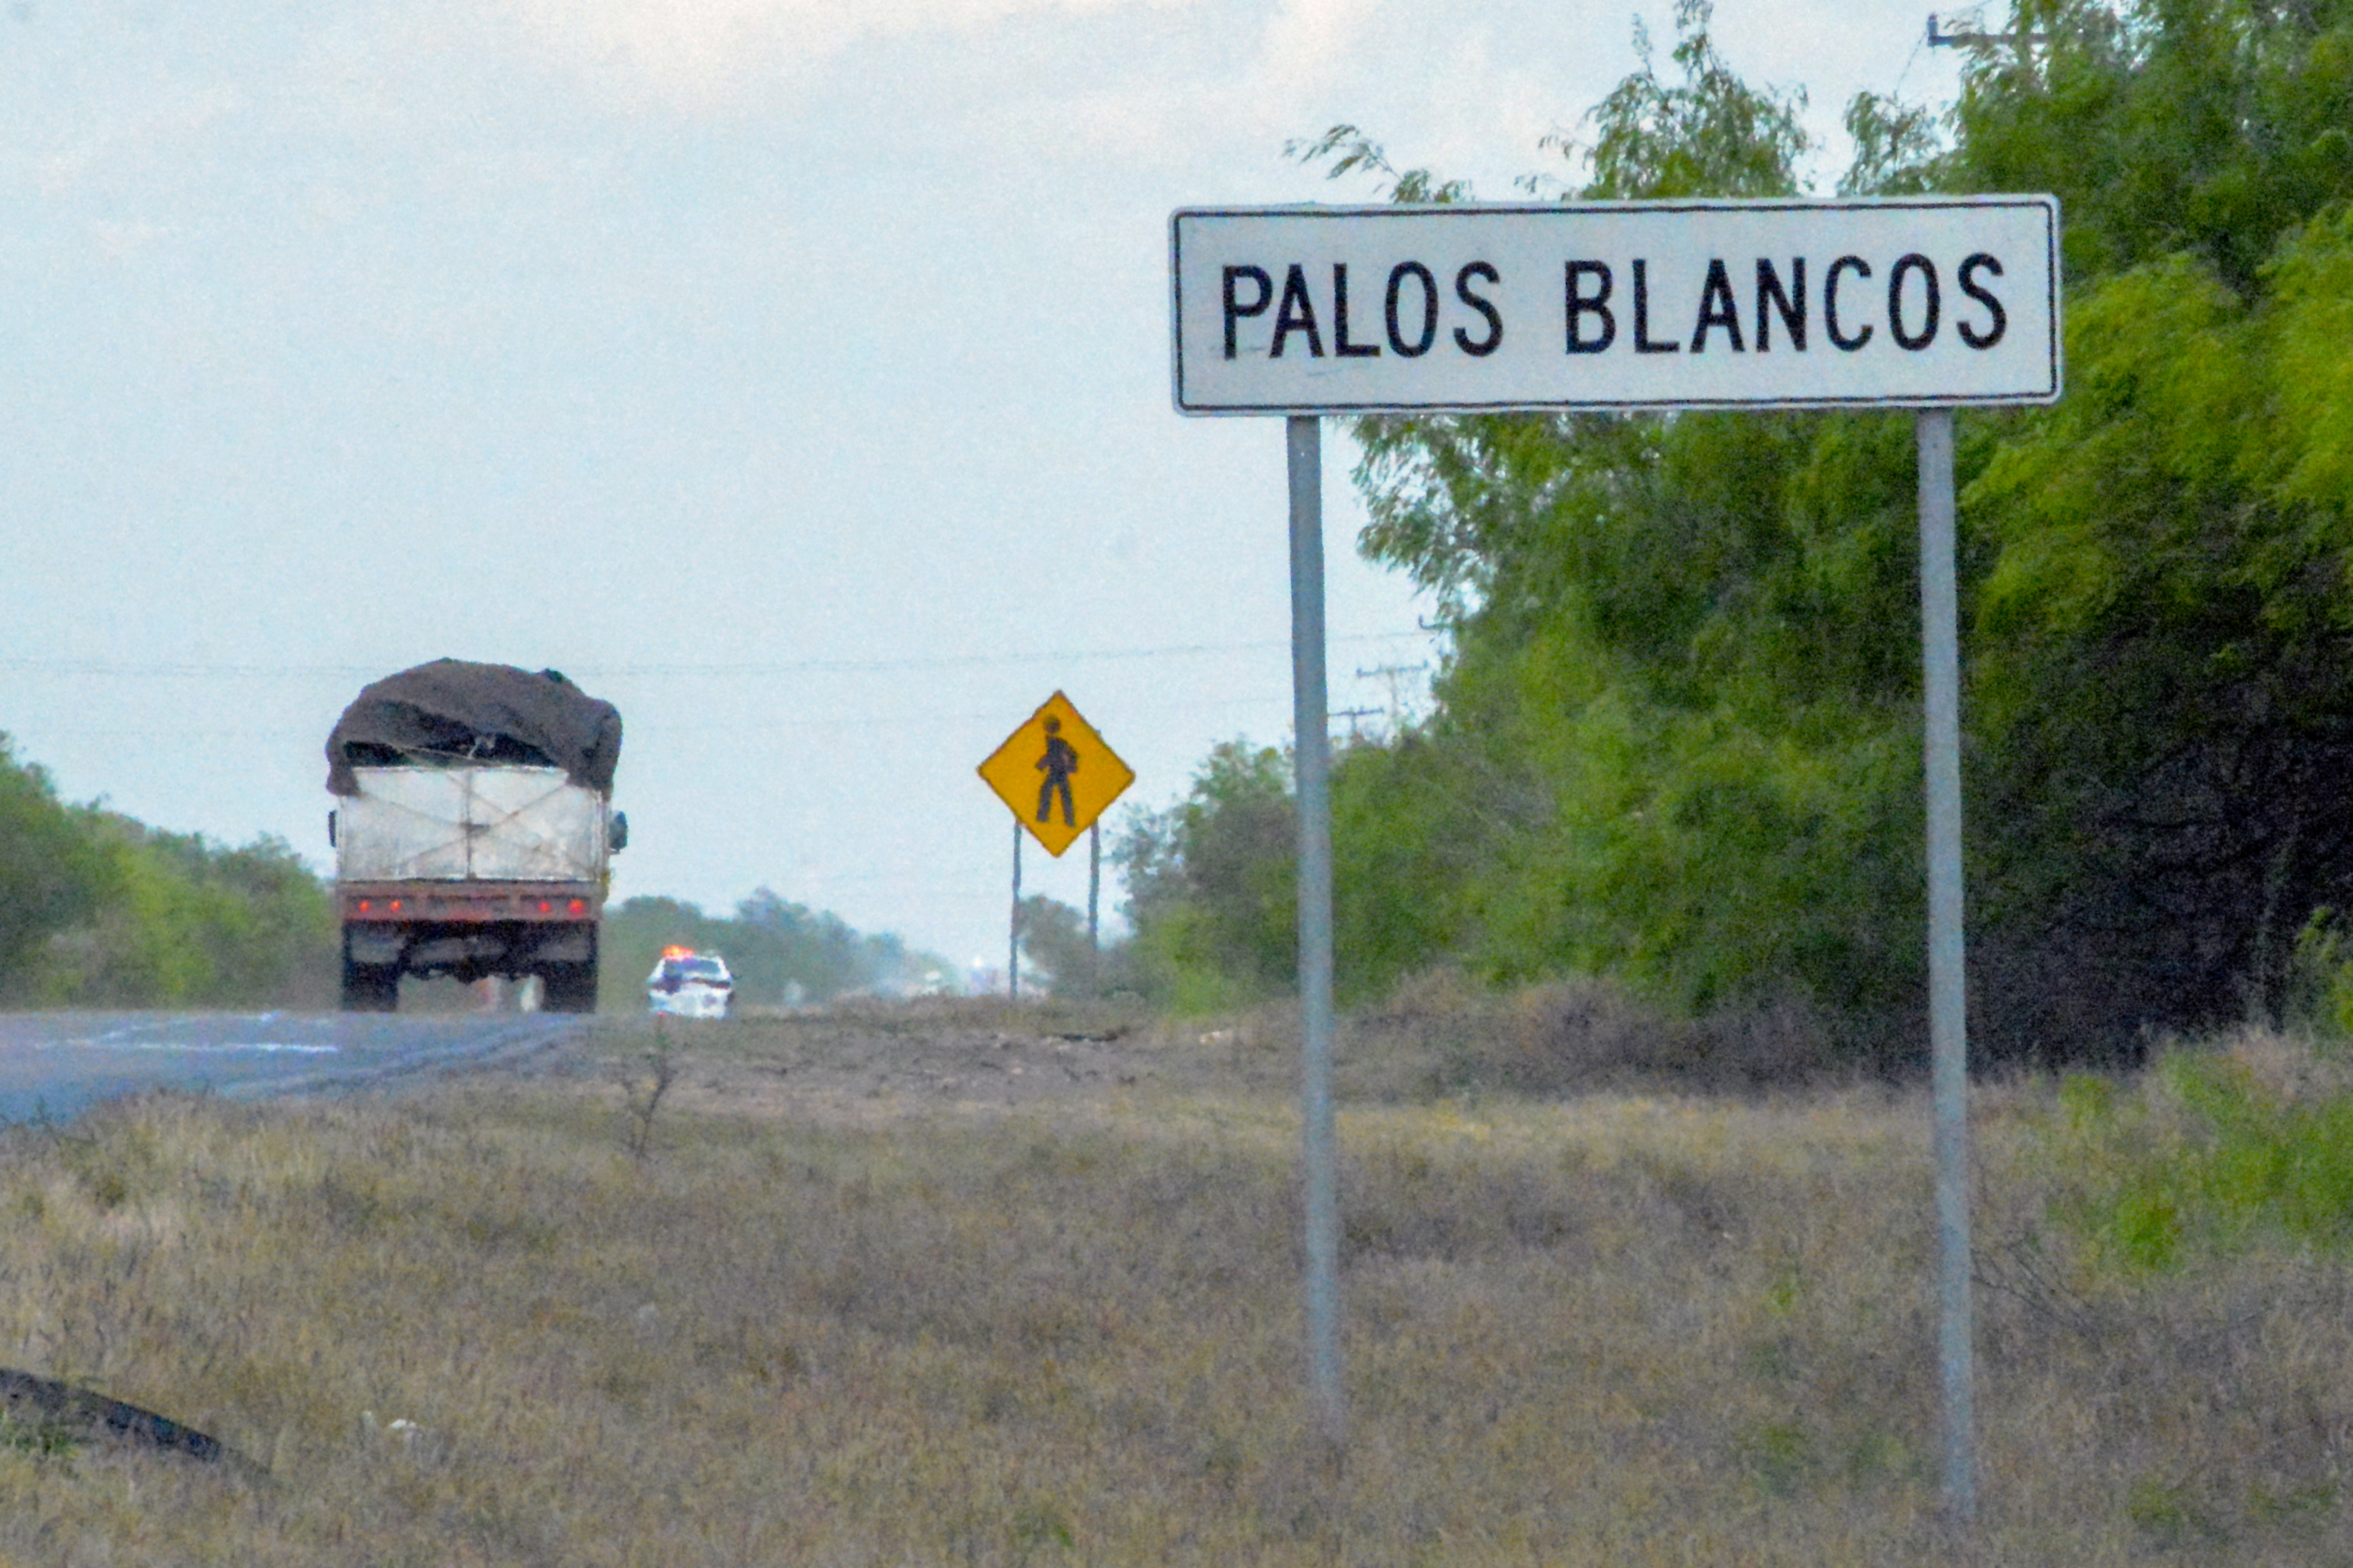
(879, 1064)
(876, 1061)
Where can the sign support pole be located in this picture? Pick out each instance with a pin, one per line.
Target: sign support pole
(1095, 894)
(1312, 746)
(1947, 1019)
(1013, 936)
(1228, 336)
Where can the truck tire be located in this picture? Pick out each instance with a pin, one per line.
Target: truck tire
(568, 987)
(371, 987)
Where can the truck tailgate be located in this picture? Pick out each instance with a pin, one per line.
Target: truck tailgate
(522, 825)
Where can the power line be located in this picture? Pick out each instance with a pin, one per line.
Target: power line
(113, 669)
(307, 735)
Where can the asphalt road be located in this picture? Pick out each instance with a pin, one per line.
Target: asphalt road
(58, 1065)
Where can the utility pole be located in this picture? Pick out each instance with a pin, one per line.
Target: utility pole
(1976, 40)
(1393, 677)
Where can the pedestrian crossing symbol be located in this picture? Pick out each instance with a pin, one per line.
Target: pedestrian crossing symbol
(1055, 775)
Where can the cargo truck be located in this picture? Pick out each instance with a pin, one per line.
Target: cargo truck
(472, 828)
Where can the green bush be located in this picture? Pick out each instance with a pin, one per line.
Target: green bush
(1212, 884)
(2212, 1154)
(2320, 979)
(50, 872)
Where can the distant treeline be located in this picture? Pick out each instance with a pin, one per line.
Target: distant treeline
(97, 910)
(779, 952)
(100, 910)
(1677, 738)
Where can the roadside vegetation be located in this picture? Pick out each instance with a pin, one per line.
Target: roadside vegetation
(1675, 739)
(503, 1324)
(100, 910)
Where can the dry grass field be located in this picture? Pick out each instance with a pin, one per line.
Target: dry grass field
(871, 1297)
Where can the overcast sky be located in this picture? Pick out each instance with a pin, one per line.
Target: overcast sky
(793, 374)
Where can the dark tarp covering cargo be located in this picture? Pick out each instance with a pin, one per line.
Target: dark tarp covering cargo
(451, 711)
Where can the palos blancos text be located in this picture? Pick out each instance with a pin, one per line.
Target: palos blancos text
(1615, 305)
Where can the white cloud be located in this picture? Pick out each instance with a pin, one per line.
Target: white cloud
(120, 241)
(1310, 43)
(1448, 93)
(112, 130)
(694, 51)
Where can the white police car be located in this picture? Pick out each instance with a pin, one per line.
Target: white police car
(689, 984)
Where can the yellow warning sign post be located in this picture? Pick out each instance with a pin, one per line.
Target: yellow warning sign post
(1055, 775)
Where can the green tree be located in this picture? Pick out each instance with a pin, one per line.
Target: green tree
(1709, 135)
(1409, 820)
(2167, 690)
(182, 923)
(1054, 938)
(1212, 883)
(1677, 738)
(50, 873)
(2204, 128)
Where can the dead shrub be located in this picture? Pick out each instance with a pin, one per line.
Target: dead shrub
(1441, 1033)
(1585, 1035)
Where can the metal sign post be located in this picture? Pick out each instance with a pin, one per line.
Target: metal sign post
(1013, 926)
(1947, 1006)
(1313, 749)
(1925, 304)
(1094, 897)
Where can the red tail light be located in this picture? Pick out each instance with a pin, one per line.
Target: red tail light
(396, 906)
(544, 906)
(579, 906)
(367, 904)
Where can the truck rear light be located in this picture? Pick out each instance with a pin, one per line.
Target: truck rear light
(579, 906)
(367, 904)
(544, 906)
(396, 906)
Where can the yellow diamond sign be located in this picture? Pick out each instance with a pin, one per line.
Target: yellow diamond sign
(1056, 774)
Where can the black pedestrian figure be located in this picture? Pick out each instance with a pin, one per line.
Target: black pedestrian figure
(1061, 761)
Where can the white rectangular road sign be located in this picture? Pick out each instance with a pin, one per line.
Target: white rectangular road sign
(1927, 303)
